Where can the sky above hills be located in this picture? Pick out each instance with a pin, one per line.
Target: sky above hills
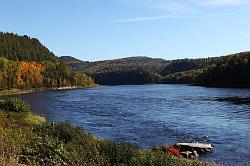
(107, 29)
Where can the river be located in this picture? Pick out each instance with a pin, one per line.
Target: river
(150, 115)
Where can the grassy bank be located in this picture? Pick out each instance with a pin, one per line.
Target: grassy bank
(28, 139)
(9, 92)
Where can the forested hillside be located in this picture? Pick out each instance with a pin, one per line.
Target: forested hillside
(151, 64)
(23, 48)
(226, 71)
(138, 70)
(26, 63)
(133, 70)
(231, 71)
(181, 65)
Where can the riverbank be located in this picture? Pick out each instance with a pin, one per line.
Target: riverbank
(10, 92)
(28, 139)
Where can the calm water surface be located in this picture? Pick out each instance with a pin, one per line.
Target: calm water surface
(150, 115)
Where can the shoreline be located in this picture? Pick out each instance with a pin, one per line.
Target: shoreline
(15, 91)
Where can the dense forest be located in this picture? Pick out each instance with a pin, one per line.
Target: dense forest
(231, 71)
(23, 48)
(133, 70)
(141, 70)
(25, 62)
(226, 71)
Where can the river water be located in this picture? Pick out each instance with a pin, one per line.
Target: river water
(150, 115)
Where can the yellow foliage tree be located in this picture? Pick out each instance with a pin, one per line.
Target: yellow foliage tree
(29, 74)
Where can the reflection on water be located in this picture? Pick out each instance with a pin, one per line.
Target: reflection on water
(149, 115)
(235, 100)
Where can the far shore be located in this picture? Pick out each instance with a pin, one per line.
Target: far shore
(9, 92)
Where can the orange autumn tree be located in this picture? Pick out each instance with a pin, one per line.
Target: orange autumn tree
(29, 74)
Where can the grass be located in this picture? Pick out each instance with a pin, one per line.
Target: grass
(10, 92)
(29, 140)
(34, 119)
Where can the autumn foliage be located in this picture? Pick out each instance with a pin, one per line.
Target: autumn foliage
(29, 74)
(173, 151)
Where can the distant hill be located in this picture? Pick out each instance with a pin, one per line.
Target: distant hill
(136, 70)
(131, 70)
(225, 71)
(70, 59)
(76, 64)
(26, 63)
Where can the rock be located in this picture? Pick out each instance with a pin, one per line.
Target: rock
(186, 154)
(196, 154)
(190, 155)
(196, 145)
(200, 148)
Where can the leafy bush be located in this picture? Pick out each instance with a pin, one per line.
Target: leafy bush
(118, 154)
(61, 131)
(44, 151)
(15, 105)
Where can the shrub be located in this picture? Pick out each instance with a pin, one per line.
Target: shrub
(15, 105)
(61, 131)
(44, 151)
(118, 153)
(173, 151)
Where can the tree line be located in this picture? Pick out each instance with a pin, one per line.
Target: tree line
(22, 74)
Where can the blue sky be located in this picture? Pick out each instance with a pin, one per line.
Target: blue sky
(107, 29)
